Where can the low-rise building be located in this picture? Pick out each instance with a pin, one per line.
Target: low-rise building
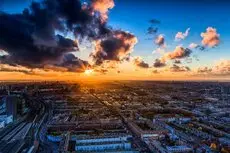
(116, 142)
(177, 149)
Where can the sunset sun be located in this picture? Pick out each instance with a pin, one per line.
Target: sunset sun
(137, 76)
(84, 39)
(89, 72)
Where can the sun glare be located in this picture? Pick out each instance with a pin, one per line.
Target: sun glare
(88, 71)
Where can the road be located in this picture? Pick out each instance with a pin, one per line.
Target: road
(13, 138)
(137, 140)
(40, 133)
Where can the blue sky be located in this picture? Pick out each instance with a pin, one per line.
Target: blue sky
(175, 16)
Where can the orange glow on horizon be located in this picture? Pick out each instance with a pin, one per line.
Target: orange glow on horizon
(89, 71)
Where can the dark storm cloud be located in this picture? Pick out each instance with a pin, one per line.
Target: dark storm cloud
(19, 43)
(30, 37)
(115, 47)
(74, 64)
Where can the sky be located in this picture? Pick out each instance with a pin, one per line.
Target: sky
(146, 40)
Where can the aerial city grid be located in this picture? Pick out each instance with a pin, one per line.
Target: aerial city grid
(114, 76)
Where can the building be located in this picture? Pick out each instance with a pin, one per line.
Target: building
(12, 106)
(9, 106)
(103, 146)
(117, 142)
(145, 134)
(177, 149)
(8, 111)
(155, 146)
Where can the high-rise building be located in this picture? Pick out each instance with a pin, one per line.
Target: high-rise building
(13, 105)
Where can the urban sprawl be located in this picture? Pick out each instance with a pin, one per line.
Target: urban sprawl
(115, 117)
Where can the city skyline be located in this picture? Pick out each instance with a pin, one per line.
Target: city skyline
(114, 116)
(114, 40)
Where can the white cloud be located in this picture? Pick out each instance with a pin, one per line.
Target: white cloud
(180, 35)
(210, 38)
(193, 45)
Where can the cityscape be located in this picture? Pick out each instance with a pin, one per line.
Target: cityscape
(115, 116)
(114, 76)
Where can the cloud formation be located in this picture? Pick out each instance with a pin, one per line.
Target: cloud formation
(160, 40)
(177, 62)
(155, 71)
(196, 46)
(37, 45)
(103, 7)
(138, 61)
(159, 50)
(220, 68)
(74, 64)
(3, 53)
(154, 21)
(152, 29)
(9, 68)
(115, 47)
(180, 35)
(178, 53)
(210, 38)
(159, 63)
(204, 70)
(101, 71)
(193, 45)
(176, 68)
